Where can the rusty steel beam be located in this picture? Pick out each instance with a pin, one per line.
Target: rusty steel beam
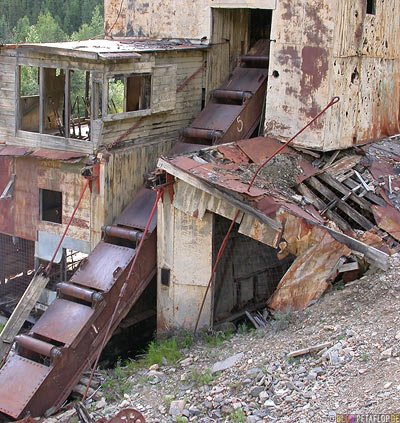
(38, 346)
(241, 96)
(122, 233)
(88, 295)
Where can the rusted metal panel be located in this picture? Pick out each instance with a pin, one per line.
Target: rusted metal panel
(91, 275)
(299, 70)
(388, 219)
(138, 211)
(74, 316)
(310, 274)
(23, 376)
(57, 154)
(15, 151)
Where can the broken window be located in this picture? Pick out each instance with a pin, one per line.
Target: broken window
(29, 98)
(128, 93)
(50, 206)
(80, 104)
(371, 7)
(55, 101)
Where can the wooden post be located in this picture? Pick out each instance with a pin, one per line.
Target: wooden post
(21, 312)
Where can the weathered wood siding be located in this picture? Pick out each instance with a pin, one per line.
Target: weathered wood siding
(365, 73)
(169, 18)
(185, 105)
(230, 39)
(7, 97)
(327, 49)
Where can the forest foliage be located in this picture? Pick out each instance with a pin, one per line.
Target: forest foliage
(35, 21)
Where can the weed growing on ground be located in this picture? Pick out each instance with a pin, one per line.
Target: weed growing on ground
(1, 327)
(181, 419)
(116, 384)
(244, 328)
(160, 351)
(364, 356)
(213, 338)
(238, 416)
(201, 379)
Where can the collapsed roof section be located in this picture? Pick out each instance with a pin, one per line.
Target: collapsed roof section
(329, 211)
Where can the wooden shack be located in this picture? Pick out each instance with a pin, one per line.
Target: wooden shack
(119, 105)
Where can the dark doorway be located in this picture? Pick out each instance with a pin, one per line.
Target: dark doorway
(260, 25)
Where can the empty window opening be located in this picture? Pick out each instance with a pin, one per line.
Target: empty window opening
(80, 96)
(128, 93)
(54, 101)
(29, 98)
(50, 206)
(371, 7)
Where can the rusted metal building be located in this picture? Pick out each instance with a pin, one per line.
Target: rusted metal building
(318, 49)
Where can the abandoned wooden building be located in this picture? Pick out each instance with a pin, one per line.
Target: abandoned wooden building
(190, 82)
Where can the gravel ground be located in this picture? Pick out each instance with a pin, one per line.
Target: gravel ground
(359, 373)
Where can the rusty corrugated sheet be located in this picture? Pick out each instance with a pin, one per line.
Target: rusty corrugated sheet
(388, 219)
(310, 274)
(57, 154)
(11, 150)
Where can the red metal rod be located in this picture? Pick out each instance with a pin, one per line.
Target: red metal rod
(159, 193)
(219, 255)
(48, 268)
(332, 102)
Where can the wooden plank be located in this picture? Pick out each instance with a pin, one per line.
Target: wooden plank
(310, 349)
(320, 205)
(373, 256)
(328, 179)
(21, 312)
(342, 205)
(370, 195)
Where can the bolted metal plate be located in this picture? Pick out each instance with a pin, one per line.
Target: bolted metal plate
(217, 116)
(245, 79)
(63, 321)
(138, 211)
(19, 379)
(103, 265)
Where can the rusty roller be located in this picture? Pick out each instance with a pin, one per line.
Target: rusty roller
(38, 346)
(75, 291)
(204, 134)
(123, 233)
(259, 60)
(241, 96)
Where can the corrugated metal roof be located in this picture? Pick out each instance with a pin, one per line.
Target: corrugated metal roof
(43, 153)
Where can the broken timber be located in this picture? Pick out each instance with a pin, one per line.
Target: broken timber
(21, 312)
(311, 349)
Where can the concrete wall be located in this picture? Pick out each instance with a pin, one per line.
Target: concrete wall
(184, 246)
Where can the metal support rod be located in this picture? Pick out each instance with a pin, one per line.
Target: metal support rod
(331, 103)
(219, 255)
